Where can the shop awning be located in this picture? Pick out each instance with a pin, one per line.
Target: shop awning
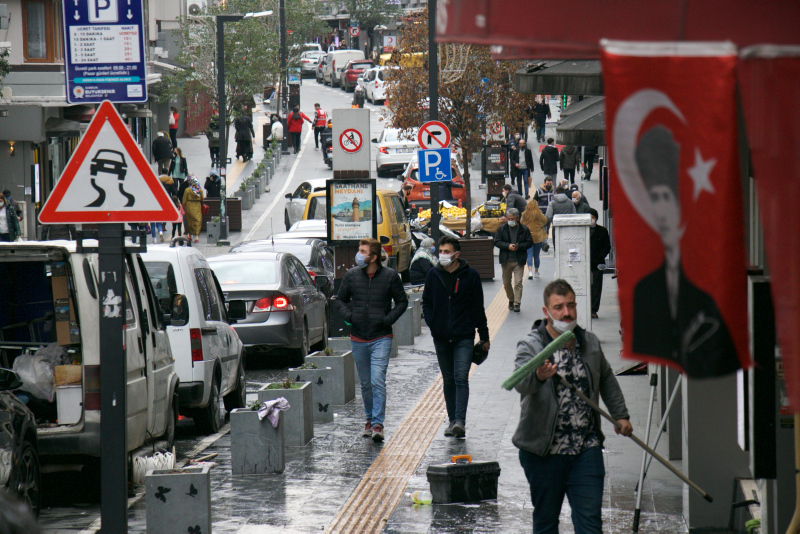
(585, 125)
(577, 77)
(572, 29)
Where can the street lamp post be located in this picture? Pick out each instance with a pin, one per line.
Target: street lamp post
(221, 105)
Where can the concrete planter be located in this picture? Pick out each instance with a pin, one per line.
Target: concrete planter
(246, 203)
(404, 328)
(323, 385)
(415, 308)
(257, 187)
(178, 500)
(256, 446)
(343, 377)
(299, 419)
(339, 344)
(212, 229)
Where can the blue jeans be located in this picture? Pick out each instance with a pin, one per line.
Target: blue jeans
(522, 178)
(455, 359)
(372, 360)
(540, 126)
(533, 255)
(154, 227)
(579, 477)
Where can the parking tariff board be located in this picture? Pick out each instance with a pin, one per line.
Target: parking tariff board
(104, 51)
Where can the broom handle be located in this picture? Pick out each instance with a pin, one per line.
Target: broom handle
(636, 440)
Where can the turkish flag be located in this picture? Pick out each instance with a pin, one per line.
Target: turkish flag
(677, 204)
(769, 77)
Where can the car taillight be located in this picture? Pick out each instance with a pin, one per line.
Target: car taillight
(312, 274)
(282, 303)
(383, 150)
(376, 84)
(196, 344)
(261, 305)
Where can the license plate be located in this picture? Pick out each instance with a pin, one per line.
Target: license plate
(426, 193)
(404, 150)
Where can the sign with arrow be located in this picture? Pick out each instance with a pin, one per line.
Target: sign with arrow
(433, 134)
(107, 179)
(104, 51)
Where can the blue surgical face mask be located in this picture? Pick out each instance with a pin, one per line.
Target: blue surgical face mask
(361, 260)
(433, 250)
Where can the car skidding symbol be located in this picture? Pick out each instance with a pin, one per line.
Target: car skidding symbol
(114, 163)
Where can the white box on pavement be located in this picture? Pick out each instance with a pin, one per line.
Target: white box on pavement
(571, 237)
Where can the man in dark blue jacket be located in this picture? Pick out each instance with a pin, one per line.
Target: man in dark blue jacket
(452, 304)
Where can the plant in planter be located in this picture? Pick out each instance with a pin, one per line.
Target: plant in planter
(298, 419)
(308, 365)
(344, 375)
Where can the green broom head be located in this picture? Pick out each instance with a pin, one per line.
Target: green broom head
(531, 366)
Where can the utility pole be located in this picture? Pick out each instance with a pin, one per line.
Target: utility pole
(433, 106)
(283, 101)
(223, 122)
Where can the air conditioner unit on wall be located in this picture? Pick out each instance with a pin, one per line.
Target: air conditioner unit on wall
(196, 7)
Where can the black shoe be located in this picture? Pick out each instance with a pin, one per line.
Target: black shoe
(594, 315)
(516, 308)
(448, 432)
(458, 430)
(511, 306)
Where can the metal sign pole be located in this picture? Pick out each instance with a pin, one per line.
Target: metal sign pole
(113, 378)
(433, 106)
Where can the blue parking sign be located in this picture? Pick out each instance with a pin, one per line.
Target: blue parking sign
(434, 165)
(104, 51)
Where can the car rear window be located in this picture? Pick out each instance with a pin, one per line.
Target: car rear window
(317, 208)
(390, 136)
(361, 66)
(381, 75)
(245, 272)
(162, 278)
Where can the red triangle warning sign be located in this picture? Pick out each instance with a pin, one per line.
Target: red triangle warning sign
(108, 179)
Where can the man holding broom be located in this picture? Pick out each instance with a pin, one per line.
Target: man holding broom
(558, 436)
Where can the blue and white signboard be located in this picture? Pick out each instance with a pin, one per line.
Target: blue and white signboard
(104, 51)
(434, 165)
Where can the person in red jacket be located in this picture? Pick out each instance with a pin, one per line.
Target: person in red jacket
(295, 123)
(320, 119)
(173, 126)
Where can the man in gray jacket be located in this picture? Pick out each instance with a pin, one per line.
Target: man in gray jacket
(560, 205)
(559, 437)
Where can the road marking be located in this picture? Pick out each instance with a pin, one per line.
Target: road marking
(381, 487)
(279, 196)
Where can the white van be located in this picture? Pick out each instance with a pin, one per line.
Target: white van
(50, 305)
(209, 356)
(332, 72)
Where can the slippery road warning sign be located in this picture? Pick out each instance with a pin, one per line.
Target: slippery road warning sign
(351, 140)
(433, 134)
(107, 179)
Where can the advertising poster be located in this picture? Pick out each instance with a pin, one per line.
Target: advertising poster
(351, 217)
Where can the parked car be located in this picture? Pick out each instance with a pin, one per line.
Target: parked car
(285, 308)
(53, 291)
(309, 61)
(296, 201)
(320, 67)
(313, 253)
(372, 81)
(332, 74)
(209, 356)
(312, 228)
(394, 148)
(352, 70)
(20, 473)
(420, 196)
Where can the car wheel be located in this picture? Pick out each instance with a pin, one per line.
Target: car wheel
(28, 480)
(322, 343)
(209, 419)
(238, 397)
(172, 421)
(301, 352)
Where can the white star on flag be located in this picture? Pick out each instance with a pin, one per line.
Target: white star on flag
(700, 173)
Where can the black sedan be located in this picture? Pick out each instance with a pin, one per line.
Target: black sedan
(19, 463)
(285, 308)
(313, 253)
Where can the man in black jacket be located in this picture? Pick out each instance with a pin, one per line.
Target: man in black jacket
(365, 301)
(452, 304)
(162, 152)
(522, 163)
(599, 247)
(513, 239)
(549, 159)
(513, 200)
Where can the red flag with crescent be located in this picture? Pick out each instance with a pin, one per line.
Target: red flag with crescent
(676, 203)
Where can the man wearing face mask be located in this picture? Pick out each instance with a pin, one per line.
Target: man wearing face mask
(559, 436)
(580, 205)
(513, 240)
(452, 304)
(365, 301)
(599, 246)
(513, 199)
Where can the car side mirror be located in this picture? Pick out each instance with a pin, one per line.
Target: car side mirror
(9, 380)
(321, 281)
(288, 196)
(180, 310)
(374, 140)
(385, 240)
(237, 310)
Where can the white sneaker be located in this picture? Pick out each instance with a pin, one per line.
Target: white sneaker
(536, 274)
(530, 276)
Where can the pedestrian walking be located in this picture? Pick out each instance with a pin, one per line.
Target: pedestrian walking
(452, 304)
(178, 168)
(536, 223)
(580, 205)
(173, 126)
(212, 185)
(162, 153)
(513, 240)
(541, 112)
(423, 261)
(243, 125)
(358, 97)
(9, 222)
(212, 134)
(13, 204)
(176, 226)
(568, 161)
(560, 205)
(295, 124)
(513, 199)
(404, 193)
(365, 302)
(522, 162)
(548, 160)
(193, 208)
(589, 153)
(544, 194)
(168, 184)
(558, 436)
(320, 119)
(599, 247)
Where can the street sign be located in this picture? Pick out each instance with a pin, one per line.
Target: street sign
(104, 51)
(433, 134)
(351, 140)
(107, 179)
(434, 165)
(355, 31)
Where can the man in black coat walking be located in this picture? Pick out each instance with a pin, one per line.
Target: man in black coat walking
(162, 152)
(549, 159)
(365, 302)
(599, 247)
(513, 239)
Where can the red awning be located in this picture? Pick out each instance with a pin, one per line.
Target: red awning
(520, 29)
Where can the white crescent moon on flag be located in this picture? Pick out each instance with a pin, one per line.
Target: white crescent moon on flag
(630, 116)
